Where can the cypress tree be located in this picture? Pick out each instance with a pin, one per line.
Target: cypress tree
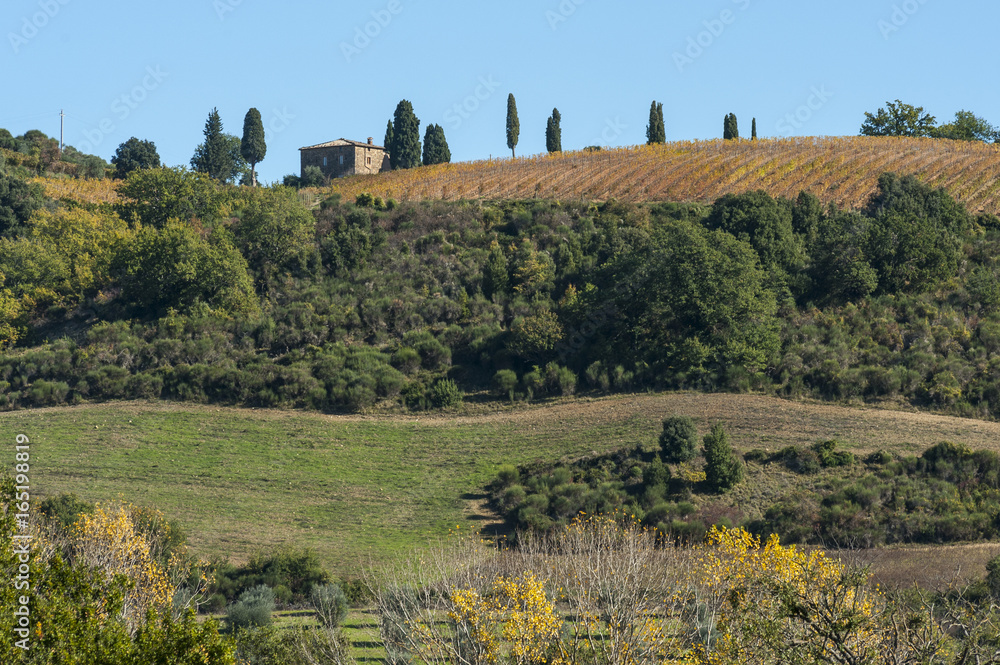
(436, 146)
(553, 132)
(252, 146)
(405, 148)
(513, 125)
(656, 131)
(731, 128)
(387, 142)
(753, 130)
(214, 157)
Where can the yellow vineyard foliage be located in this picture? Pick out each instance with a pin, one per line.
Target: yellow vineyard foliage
(79, 190)
(841, 170)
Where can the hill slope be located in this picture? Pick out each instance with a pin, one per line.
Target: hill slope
(360, 488)
(838, 170)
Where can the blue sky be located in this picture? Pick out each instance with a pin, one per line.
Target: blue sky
(319, 71)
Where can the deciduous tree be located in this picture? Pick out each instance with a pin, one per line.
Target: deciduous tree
(898, 119)
(133, 155)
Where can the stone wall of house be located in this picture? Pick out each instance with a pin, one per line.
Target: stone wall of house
(345, 160)
(334, 155)
(370, 160)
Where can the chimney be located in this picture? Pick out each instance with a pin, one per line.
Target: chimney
(371, 141)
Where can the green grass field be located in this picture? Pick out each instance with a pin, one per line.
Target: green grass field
(363, 489)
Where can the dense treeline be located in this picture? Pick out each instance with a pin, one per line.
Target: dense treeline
(191, 290)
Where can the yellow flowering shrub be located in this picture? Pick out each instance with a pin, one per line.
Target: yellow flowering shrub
(111, 540)
(515, 621)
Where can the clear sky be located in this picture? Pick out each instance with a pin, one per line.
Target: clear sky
(323, 70)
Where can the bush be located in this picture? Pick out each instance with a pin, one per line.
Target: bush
(252, 609)
(723, 468)
(505, 382)
(678, 440)
(64, 508)
(445, 393)
(330, 604)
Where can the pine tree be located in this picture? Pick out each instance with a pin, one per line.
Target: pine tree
(387, 143)
(656, 131)
(731, 128)
(513, 125)
(405, 148)
(436, 146)
(252, 146)
(214, 157)
(753, 130)
(553, 132)
(723, 468)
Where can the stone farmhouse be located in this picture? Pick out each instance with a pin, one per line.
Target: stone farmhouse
(344, 157)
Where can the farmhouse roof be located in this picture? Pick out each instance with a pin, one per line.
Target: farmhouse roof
(343, 142)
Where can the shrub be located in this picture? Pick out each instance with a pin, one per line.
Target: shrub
(723, 468)
(330, 604)
(445, 393)
(678, 440)
(252, 609)
(65, 508)
(505, 382)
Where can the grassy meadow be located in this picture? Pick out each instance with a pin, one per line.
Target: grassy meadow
(368, 489)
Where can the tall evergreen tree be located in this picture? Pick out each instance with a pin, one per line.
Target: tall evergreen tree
(405, 149)
(753, 130)
(553, 132)
(387, 142)
(436, 146)
(656, 131)
(214, 157)
(723, 468)
(252, 146)
(513, 125)
(731, 128)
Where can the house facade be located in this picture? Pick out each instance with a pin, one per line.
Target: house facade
(343, 157)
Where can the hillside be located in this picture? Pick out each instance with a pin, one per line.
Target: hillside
(359, 488)
(838, 170)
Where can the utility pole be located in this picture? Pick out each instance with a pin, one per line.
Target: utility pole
(61, 116)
